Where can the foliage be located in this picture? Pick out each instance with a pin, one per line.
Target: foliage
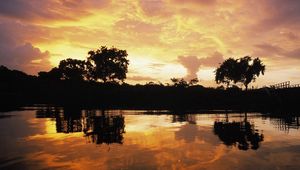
(73, 69)
(109, 64)
(180, 82)
(243, 70)
(193, 82)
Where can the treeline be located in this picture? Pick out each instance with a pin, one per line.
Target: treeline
(19, 89)
(104, 64)
(98, 82)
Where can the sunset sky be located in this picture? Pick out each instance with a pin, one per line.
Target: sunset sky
(164, 38)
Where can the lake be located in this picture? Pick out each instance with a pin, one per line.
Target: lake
(57, 138)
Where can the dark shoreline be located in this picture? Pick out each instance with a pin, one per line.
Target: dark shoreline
(145, 97)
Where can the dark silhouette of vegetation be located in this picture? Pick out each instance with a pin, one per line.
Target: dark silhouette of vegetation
(106, 64)
(241, 134)
(98, 82)
(54, 74)
(12, 75)
(177, 82)
(109, 64)
(18, 88)
(243, 70)
(72, 69)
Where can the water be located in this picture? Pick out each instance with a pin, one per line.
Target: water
(52, 138)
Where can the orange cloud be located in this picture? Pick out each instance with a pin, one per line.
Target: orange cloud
(193, 63)
(49, 9)
(157, 30)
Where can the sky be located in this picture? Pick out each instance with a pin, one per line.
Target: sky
(163, 38)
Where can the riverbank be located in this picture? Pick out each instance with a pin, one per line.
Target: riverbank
(114, 96)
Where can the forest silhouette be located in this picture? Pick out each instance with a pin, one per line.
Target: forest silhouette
(98, 82)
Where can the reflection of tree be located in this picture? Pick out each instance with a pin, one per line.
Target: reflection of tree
(190, 118)
(47, 112)
(103, 128)
(243, 134)
(284, 122)
(69, 121)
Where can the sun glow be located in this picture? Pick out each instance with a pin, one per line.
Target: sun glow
(153, 31)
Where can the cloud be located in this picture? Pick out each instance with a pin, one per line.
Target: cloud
(140, 78)
(196, 2)
(290, 36)
(49, 9)
(157, 29)
(136, 26)
(154, 8)
(268, 50)
(137, 32)
(25, 57)
(293, 53)
(212, 61)
(193, 63)
(279, 13)
(16, 53)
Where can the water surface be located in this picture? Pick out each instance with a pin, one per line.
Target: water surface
(56, 138)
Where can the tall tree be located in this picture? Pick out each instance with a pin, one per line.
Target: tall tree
(226, 73)
(109, 64)
(243, 70)
(252, 71)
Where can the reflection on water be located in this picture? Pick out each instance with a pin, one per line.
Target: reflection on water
(70, 138)
(98, 128)
(243, 134)
(284, 123)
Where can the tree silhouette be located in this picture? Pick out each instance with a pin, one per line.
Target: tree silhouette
(110, 64)
(226, 72)
(251, 71)
(244, 70)
(179, 82)
(193, 82)
(73, 69)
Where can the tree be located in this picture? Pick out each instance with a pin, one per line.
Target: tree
(73, 69)
(243, 70)
(251, 72)
(193, 82)
(109, 64)
(179, 82)
(227, 72)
